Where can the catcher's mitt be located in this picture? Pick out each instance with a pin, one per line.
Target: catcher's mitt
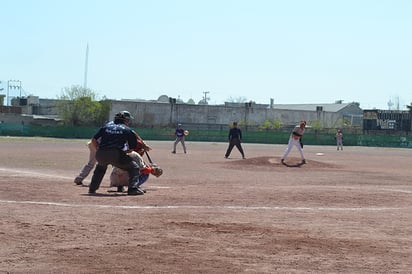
(156, 171)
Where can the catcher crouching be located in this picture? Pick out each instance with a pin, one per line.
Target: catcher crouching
(119, 178)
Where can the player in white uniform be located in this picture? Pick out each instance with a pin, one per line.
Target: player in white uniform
(295, 140)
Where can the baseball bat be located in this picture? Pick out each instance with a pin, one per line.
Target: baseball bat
(148, 157)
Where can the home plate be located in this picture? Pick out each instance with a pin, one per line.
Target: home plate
(320, 154)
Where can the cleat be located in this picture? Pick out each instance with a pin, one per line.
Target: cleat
(135, 191)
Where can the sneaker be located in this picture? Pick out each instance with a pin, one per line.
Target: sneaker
(243, 157)
(303, 161)
(174, 152)
(225, 157)
(120, 189)
(135, 191)
(78, 180)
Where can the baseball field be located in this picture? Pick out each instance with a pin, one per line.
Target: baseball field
(344, 211)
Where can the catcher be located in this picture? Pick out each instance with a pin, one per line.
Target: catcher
(119, 178)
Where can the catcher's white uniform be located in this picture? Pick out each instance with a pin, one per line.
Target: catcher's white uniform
(120, 177)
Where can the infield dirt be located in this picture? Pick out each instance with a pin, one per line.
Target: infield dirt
(345, 211)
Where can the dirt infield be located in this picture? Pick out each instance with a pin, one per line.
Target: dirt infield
(343, 212)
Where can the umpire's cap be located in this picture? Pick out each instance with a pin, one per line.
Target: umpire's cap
(122, 117)
(127, 114)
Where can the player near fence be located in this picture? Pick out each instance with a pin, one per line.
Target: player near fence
(295, 139)
(339, 139)
(180, 134)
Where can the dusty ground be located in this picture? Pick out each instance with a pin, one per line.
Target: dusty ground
(343, 212)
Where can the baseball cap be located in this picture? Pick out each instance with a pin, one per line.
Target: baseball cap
(127, 114)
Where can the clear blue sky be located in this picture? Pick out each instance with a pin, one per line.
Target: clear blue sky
(301, 51)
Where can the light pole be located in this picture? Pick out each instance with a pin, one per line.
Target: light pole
(13, 84)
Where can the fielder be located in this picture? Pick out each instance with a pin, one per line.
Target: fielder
(295, 139)
(180, 134)
(339, 139)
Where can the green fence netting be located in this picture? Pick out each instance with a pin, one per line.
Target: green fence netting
(311, 137)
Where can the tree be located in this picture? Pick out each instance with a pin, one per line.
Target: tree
(239, 99)
(78, 107)
(275, 124)
(191, 102)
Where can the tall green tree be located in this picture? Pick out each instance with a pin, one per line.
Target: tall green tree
(78, 106)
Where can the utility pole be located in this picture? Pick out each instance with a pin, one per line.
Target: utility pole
(13, 84)
(205, 98)
(86, 63)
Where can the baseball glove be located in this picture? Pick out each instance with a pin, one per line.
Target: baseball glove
(156, 170)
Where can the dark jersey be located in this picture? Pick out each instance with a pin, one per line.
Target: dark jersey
(116, 136)
(235, 133)
(179, 132)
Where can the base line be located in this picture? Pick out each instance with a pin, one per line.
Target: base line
(279, 208)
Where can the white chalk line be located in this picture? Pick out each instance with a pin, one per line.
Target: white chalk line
(38, 174)
(273, 208)
(397, 190)
(25, 173)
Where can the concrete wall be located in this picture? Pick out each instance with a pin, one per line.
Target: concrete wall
(165, 114)
(149, 114)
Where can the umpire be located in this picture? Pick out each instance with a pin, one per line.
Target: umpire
(235, 139)
(116, 139)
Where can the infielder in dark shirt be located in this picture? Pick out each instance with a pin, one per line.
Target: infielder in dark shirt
(235, 139)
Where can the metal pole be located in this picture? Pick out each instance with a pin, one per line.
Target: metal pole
(8, 87)
(86, 66)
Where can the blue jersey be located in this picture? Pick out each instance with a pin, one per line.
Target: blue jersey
(116, 136)
(180, 132)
